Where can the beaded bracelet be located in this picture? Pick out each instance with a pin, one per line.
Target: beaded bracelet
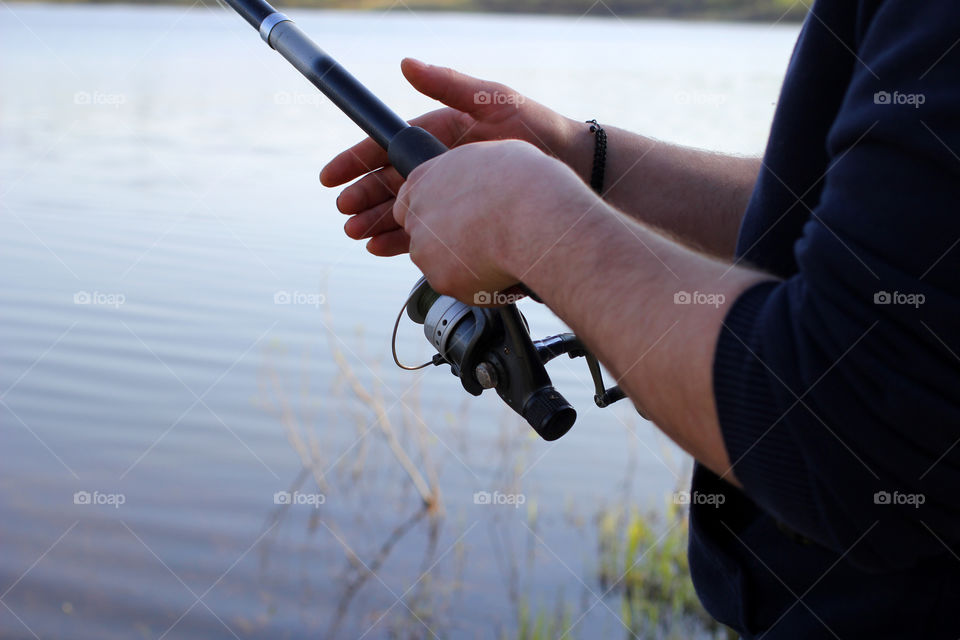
(599, 156)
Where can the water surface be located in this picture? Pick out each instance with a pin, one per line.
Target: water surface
(159, 190)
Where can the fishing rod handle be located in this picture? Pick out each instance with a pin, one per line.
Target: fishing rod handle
(411, 147)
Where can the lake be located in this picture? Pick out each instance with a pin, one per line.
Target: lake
(182, 455)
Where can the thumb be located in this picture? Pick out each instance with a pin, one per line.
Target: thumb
(401, 205)
(452, 88)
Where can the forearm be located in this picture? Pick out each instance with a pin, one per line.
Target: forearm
(613, 281)
(697, 196)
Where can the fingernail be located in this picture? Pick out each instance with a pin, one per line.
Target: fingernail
(418, 63)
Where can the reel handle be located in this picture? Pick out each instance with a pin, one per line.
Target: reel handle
(491, 348)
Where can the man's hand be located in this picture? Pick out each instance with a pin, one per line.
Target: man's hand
(477, 110)
(696, 196)
(469, 213)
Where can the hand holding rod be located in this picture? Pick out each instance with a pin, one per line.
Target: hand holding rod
(525, 385)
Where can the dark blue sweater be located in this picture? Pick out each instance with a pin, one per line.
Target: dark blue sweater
(838, 388)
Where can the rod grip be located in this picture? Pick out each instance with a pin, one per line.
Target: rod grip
(411, 147)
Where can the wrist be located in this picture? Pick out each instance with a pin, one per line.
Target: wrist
(576, 147)
(546, 229)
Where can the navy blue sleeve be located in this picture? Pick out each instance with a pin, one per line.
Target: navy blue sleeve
(838, 389)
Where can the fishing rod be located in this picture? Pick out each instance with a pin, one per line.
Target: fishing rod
(486, 348)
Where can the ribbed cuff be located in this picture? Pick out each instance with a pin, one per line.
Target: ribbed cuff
(754, 408)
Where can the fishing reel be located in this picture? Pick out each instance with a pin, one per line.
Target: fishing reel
(491, 348)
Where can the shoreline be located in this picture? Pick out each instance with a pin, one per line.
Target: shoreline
(757, 11)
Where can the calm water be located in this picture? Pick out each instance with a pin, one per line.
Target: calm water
(158, 177)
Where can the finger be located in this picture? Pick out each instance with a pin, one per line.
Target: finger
(370, 191)
(515, 292)
(401, 205)
(359, 159)
(371, 223)
(368, 156)
(452, 88)
(392, 243)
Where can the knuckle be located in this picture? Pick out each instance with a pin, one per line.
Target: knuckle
(406, 219)
(442, 282)
(393, 180)
(416, 255)
(376, 179)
